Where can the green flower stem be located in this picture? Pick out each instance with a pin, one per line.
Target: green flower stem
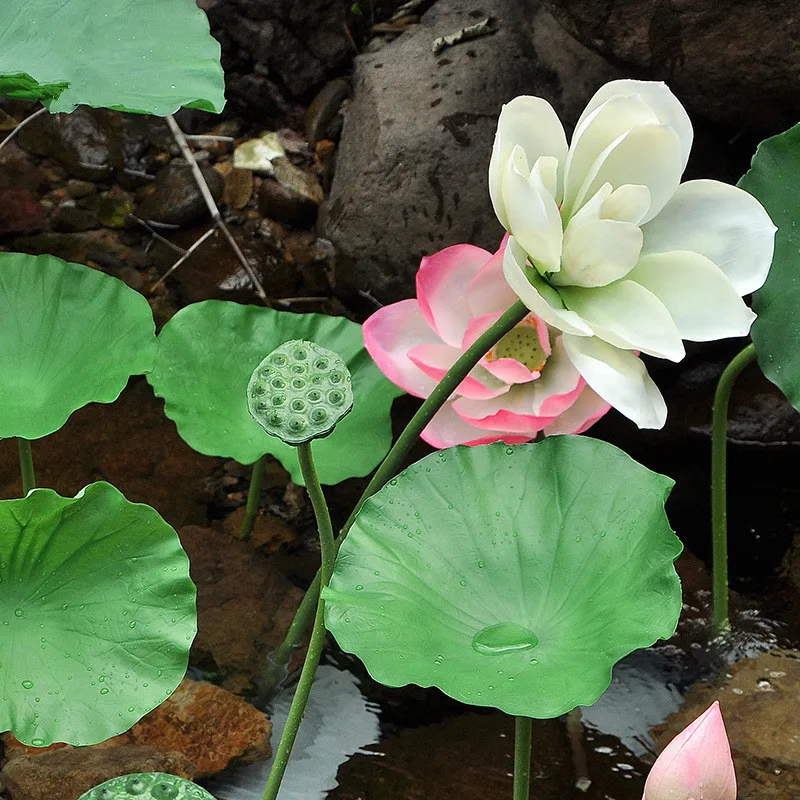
(392, 463)
(523, 727)
(719, 491)
(253, 496)
(325, 528)
(26, 466)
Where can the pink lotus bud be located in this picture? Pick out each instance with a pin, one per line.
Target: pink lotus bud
(696, 764)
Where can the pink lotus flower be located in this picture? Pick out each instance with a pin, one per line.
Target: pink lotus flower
(696, 764)
(524, 385)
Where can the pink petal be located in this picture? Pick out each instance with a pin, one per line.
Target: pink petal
(581, 415)
(435, 359)
(447, 429)
(388, 336)
(696, 763)
(489, 292)
(442, 283)
(511, 412)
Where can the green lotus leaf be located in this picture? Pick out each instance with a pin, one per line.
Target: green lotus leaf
(69, 335)
(206, 355)
(147, 786)
(774, 179)
(97, 611)
(146, 56)
(513, 577)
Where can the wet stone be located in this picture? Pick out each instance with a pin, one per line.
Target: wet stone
(88, 143)
(70, 218)
(176, 198)
(292, 196)
(759, 698)
(244, 605)
(67, 772)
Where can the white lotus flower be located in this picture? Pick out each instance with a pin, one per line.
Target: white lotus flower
(608, 246)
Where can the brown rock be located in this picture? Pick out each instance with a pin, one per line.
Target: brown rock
(66, 773)
(733, 61)
(20, 212)
(208, 725)
(244, 607)
(412, 166)
(176, 198)
(238, 188)
(270, 533)
(292, 196)
(759, 698)
(323, 109)
(129, 443)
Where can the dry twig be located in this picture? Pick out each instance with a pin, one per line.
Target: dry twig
(37, 113)
(180, 139)
(183, 258)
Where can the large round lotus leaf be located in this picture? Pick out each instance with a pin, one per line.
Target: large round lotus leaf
(97, 613)
(207, 353)
(69, 335)
(148, 56)
(774, 179)
(147, 786)
(512, 577)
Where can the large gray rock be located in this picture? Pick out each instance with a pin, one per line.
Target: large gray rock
(734, 61)
(412, 166)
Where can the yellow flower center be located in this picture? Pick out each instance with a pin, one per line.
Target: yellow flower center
(522, 344)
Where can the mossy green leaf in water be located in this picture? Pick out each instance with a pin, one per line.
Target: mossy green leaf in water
(513, 577)
(69, 335)
(774, 178)
(97, 613)
(146, 56)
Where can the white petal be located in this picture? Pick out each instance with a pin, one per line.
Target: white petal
(531, 123)
(659, 98)
(628, 203)
(537, 295)
(703, 303)
(620, 378)
(648, 155)
(628, 316)
(598, 252)
(533, 216)
(596, 131)
(722, 222)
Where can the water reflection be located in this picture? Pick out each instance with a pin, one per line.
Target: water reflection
(339, 721)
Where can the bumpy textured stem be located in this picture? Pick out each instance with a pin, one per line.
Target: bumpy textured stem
(393, 461)
(719, 490)
(523, 727)
(325, 528)
(26, 466)
(253, 495)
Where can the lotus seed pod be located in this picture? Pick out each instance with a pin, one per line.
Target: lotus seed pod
(147, 786)
(300, 391)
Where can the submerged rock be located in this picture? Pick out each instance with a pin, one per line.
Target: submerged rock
(411, 173)
(244, 605)
(20, 212)
(759, 698)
